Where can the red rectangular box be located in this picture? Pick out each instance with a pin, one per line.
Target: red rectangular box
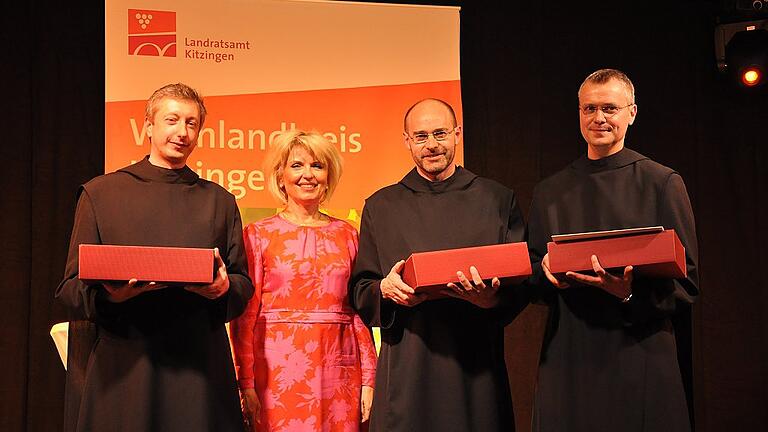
(657, 255)
(430, 271)
(145, 263)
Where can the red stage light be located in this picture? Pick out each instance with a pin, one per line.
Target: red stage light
(742, 52)
(751, 76)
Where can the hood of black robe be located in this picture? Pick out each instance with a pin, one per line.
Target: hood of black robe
(144, 170)
(461, 179)
(619, 159)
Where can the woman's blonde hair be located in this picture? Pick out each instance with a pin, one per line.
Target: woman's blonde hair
(316, 145)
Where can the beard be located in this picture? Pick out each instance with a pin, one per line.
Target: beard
(435, 164)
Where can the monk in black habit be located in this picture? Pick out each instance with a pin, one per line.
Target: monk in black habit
(609, 360)
(161, 360)
(441, 366)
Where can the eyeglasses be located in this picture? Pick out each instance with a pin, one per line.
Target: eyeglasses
(608, 110)
(437, 134)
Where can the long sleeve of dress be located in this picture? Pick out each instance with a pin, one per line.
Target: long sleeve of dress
(242, 328)
(367, 351)
(366, 348)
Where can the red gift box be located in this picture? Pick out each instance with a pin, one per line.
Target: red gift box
(429, 272)
(659, 254)
(145, 263)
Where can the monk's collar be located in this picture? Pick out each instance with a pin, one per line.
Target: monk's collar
(460, 179)
(144, 170)
(619, 159)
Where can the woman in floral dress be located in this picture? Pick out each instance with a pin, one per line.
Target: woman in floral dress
(305, 360)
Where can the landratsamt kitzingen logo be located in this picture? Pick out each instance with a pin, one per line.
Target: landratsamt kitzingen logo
(151, 33)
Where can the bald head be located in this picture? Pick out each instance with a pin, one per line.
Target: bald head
(428, 106)
(431, 135)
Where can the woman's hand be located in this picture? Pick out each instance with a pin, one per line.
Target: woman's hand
(251, 407)
(366, 401)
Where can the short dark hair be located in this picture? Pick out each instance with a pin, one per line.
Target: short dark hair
(176, 91)
(604, 75)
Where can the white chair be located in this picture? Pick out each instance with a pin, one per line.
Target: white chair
(60, 335)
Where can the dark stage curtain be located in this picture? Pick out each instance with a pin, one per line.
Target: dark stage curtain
(53, 105)
(521, 67)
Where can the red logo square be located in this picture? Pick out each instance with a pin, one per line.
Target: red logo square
(151, 33)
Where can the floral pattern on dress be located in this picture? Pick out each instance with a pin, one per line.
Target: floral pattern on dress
(299, 343)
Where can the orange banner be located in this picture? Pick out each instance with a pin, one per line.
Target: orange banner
(366, 124)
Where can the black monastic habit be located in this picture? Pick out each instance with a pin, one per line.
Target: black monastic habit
(607, 365)
(441, 366)
(161, 360)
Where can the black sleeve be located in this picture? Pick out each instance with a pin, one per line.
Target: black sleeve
(654, 298)
(81, 300)
(364, 285)
(240, 285)
(677, 214)
(539, 289)
(514, 298)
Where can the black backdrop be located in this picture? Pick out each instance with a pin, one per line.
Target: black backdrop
(521, 66)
